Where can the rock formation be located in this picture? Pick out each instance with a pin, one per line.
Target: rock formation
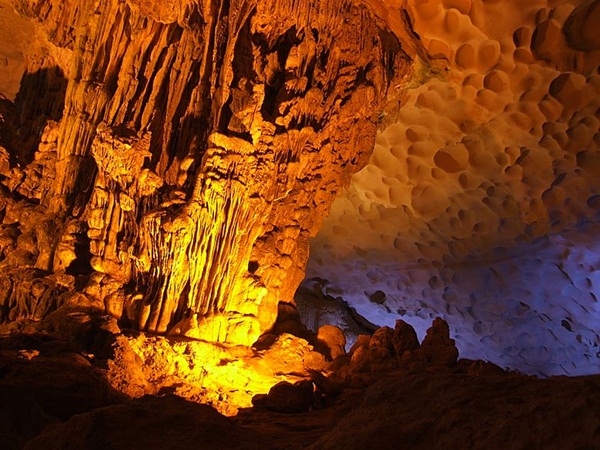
(480, 200)
(163, 165)
(170, 160)
(55, 396)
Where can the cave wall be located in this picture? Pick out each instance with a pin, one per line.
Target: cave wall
(167, 162)
(480, 202)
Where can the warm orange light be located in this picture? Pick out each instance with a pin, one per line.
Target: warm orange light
(226, 377)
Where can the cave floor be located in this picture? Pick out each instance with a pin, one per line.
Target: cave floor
(52, 397)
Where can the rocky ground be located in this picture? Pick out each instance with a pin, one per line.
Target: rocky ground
(390, 391)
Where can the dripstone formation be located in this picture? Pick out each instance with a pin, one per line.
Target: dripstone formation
(163, 165)
(167, 162)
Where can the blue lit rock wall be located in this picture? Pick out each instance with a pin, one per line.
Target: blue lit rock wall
(481, 200)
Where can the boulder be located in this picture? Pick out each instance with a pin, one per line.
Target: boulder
(333, 340)
(372, 359)
(437, 346)
(287, 398)
(404, 338)
(382, 338)
(362, 341)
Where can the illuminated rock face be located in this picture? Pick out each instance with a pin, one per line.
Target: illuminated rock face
(193, 149)
(170, 160)
(480, 201)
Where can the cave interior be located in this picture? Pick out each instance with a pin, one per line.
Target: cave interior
(299, 224)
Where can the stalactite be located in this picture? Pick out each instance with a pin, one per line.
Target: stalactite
(201, 143)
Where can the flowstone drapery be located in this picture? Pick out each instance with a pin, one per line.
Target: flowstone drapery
(199, 146)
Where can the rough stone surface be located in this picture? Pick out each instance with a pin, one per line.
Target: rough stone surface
(175, 157)
(43, 381)
(395, 349)
(480, 201)
(334, 340)
(287, 398)
(151, 422)
(225, 377)
(438, 411)
(53, 396)
(382, 338)
(163, 165)
(404, 338)
(437, 346)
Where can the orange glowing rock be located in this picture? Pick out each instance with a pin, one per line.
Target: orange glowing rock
(196, 174)
(227, 377)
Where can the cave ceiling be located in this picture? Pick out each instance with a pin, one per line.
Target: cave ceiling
(480, 200)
